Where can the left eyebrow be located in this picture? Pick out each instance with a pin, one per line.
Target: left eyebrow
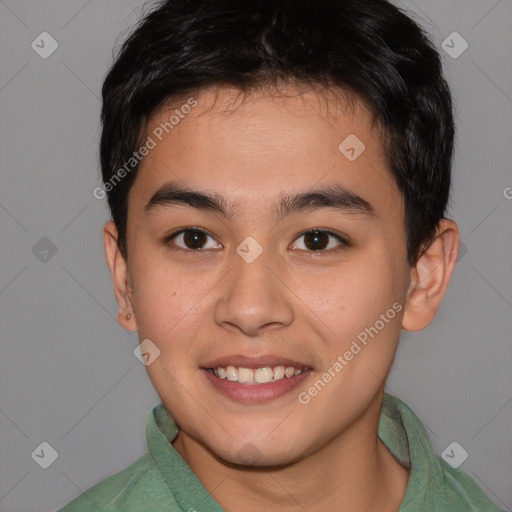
(336, 197)
(331, 197)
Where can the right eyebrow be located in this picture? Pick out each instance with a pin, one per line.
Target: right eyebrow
(172, 193)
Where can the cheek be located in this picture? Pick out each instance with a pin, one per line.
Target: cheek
(165, 299)
(361, 300)
(342, 298)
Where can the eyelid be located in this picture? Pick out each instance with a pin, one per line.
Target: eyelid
(344, 241)
(168, 238)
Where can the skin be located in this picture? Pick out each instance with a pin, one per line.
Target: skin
(197, 306)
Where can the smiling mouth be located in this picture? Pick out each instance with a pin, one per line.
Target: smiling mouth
(263, 375)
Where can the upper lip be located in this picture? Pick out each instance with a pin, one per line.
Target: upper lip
(253, 362)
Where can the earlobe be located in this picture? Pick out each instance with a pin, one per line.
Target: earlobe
(431, 276)
(119, 273)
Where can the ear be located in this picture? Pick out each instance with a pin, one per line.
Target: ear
(118, 270)
(430, 277)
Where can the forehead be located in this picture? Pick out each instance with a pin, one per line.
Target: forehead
(254, 145)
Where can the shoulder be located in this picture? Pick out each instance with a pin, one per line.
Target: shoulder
(463, 493)
(139, 487)
(433, 483)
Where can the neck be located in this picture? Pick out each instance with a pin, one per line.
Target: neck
(354, 472)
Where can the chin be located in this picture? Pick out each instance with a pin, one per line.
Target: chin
(257, 454)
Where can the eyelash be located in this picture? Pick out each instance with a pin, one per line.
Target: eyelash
(344, 243)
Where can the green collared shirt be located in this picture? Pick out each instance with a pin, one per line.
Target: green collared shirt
(161, 480)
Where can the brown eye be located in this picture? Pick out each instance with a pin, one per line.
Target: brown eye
(315, 241)
(319, 241)
(192, 239)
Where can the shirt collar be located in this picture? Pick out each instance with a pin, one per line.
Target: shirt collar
(187, 489)
(399, 429)
(406, 438)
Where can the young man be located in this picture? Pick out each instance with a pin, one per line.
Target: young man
(278, 174)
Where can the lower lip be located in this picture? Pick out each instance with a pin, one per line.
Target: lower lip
(255, 393)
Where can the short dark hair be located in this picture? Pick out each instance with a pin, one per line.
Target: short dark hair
(368, 48)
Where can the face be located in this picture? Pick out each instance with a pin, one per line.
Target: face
(268, 265)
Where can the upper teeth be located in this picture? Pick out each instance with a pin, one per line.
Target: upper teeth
(259, 376)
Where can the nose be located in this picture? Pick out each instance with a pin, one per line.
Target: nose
(254, 297)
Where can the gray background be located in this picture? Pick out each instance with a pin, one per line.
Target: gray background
(68, 375)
